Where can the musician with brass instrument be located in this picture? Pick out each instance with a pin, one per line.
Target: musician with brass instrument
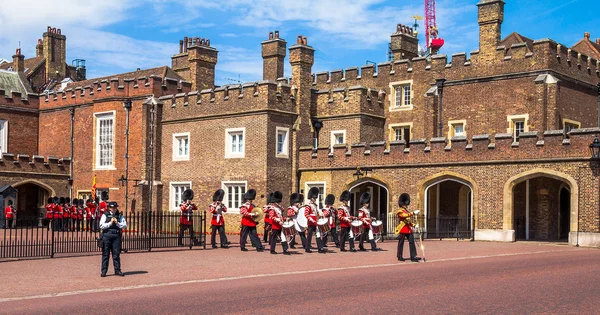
(186, 222)
(364, 214)
(217, 223)
(345, 220)
(331, 214)
(311, 213)
(405, 228)
(267, 220)
(251, 215)
(292, 212)
(277, 219)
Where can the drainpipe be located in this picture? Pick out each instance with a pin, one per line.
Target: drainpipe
(440, 86)
(127, 104)
(151, 168)
(598, 104)
(72, 111)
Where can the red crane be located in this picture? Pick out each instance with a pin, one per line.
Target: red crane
(433, 42)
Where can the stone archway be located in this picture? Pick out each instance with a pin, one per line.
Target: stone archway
(31, 198)
(380, 199)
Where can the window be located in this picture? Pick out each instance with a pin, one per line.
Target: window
(84, 194)
(181, 146)
(99, 192)
(234, 194)
(569, 125)
(3, 136)
(282, 142)
(456, 128)
(399, 132)
(517, 125)
(234, 142)
(401, 95)
(338, 137)
(321, 186)
(104, 140)
(177, 190)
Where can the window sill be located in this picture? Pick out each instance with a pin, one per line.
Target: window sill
(104, 169)
(234, 156)
(182, 158)
(401, 108)
(282, 156)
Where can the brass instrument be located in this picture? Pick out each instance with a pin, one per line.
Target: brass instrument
(259, 214)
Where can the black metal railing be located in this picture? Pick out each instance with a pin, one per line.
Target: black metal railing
(37, 237)
(442, 227)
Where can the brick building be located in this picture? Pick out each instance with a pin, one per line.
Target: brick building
(495, 143)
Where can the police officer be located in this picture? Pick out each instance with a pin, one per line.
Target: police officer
(112, 223)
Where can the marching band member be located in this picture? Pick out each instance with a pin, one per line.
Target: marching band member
(277, 219)
(217, 223)
(405, 228)
(186, 222)
(330, 213)
(345, 220)
(248, 224)
(89, 215)
(49, 211)
(310, 211)
(364, 214)
(9, 212)
(292, 212)
(267, 220)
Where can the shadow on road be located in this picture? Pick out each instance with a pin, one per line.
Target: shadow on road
(129, 273)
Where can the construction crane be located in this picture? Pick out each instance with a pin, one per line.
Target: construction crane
(432, 41)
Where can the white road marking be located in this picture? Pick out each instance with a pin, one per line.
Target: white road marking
(165, 284)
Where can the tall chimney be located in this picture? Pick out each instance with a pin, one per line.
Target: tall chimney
(491, 15)
(404, 43)
(55, 52)
(39, 48)
(19, 61)
(202, 60)
(273, 53)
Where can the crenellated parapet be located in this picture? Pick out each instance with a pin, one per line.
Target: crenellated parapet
(23, 163)
(480, 149)
(230, 99)
(350, 100)
(18, 99)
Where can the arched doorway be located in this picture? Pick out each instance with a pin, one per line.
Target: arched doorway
(31, 198)
(379, 199)
(448, 209)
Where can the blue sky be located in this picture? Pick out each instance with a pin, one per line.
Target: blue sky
(116, 36)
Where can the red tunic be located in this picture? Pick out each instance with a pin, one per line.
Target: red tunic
(49, 210)
(100, 210)
(266, 210)
(187, 210)
(245, 210)
(364, 215)
(311, 214)
(74, 212)
(344, 216)
(66, 211)
(88, 213)
(292, 211)
(80, 212)
(403, 215)
(276, 218)
(328, 212)
(58, 212)
(213, 209)
(9, 212)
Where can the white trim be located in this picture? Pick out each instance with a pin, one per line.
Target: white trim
(176, 156)
(426, 201)
(286, 142)
(332, 141)
(392, 127)
(228, 153)
(313, 184)
(4, 136)
(113, 115)
(226, 197)
(511, 119)
(172, 193)
(392, 96)
(451, 128)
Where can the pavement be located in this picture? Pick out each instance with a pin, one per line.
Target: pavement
(458, 277)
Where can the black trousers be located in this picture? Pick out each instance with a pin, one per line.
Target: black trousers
(273, 241)
(96, 224)
(302, 239)
(334, 236)
(57, 224)
(313, 230)
(182, 228)
(65, 224)
(112, 244)
(411, 245)
(250, 230)
(364, 237)
(48, 223)
(345, 236)
(266, 232)
(222, 236)
(9, 223)
(89, 224)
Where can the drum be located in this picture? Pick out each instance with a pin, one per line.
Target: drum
(323, 226)
(377, 227)
(301, 221)
(289, 230)
(357, 227)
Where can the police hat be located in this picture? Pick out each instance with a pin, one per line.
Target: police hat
(330, 199)
(113, 204)
(404, 200)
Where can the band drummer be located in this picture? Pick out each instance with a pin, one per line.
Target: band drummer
(277, 219)
(405, 228)
(345, 220)
(217, 223)
(248, 223)
(292, 212)
(310, 211)
(186, 222)
(364, 214)
(331, 214)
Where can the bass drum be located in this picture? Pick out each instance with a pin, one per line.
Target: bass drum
(301, 221)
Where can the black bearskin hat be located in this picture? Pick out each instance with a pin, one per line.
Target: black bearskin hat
(97, 200)
(67, 200)
(218, 195)
(269, 198)
(80, 203)
(104, 195)
(10, 202)
(300, 198)
(404, 200)
(188, 194)
(330, 199)
(294, 198)
(250, 194)
(61, 200)
(89, 200)
(75, 201)
(365, 198)
(345, 196)
(50, 200)
(277, 197)
(55, 199)
(313, 193)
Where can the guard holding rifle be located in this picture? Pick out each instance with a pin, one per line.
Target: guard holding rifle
(112, 223)
(217, 208)
(405, 228)
(186, 222)
(249, 215)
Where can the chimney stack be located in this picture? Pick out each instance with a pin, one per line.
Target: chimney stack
(39, 48)
(54, 49)
(598, 41)
(491, 15)
(404, 43)
(586, 35)
(19, 61)
(273, 53)
(202, 60)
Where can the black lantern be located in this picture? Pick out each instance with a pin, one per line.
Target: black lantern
(595, 148)
(362, 172)
(127, 104)
(123, 180)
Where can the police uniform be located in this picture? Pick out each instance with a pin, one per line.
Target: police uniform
(277, 218)
(345, 223)
(9, 212)
(405, 229)
(111, 236)
(248, 224)
(217, 223)
(186, 222)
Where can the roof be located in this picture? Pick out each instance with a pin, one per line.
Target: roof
(587, 47)
(161, 72)
(31, 64)
(516, 38)
(11, 81)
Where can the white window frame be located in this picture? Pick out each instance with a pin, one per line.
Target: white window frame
(452, 128)
(172, 194)
(286, 142)
(511, 124)
(405, 104)
(224, 186)
(228, 142)
(176, 138)
(97, 118)
(321, 198)
(4, 136)
(392, 129)
(574, 123)
(333, 137)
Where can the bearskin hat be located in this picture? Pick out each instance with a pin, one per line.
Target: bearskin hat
(55, 199)
(50, 200)
(330, 199)
(10, 202)
(61, 200)
(104, 195)
(404, 200)
(250, 194)
(300, 198)
(89, 200)
(67, 200)
(80, 203)
(269, 198)
(277, 197)
(218, 195)
(365, 198)
(75, 201)
(188, 194)
(293, 198)
(345, 196)
(97, 200)
(313, 193)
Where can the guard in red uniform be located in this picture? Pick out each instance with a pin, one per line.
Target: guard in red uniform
(100, 209)
(267, 220)
(58, 214)
(405, 228)
(331, 214)
(364, 214)
(310, 211)
(9, 212)
(277, 218)
(186, 222)
(90, 208)
(66, 205)
(295, 206)
(248, 224)
(80, 215)
(49, 212)
(74, 215)
(217, 223)
(345, 220)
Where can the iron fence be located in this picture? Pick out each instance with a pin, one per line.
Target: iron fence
(36, 237)
(436, 227)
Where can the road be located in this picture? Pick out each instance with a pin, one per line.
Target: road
(459, 277)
